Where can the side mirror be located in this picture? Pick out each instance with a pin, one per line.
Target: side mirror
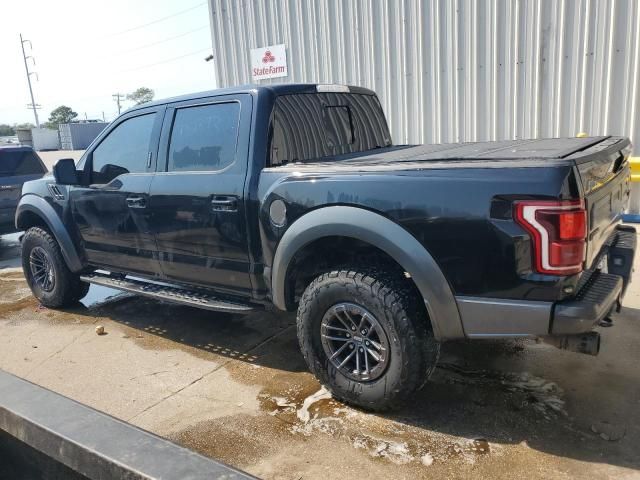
(64, 171)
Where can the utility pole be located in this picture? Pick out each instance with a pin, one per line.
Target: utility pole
(33, 104)
(118, 97)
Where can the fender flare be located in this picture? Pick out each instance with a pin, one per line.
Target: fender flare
(40, 207)
(384, 234)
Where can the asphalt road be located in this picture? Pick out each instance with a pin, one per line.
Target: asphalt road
(237, 389)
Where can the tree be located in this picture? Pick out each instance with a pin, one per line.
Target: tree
(6, 130)
(62, 114)
(141, 95)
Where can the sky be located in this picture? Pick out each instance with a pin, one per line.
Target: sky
(85, 51)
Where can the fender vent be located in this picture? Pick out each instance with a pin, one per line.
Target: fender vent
(55, 191)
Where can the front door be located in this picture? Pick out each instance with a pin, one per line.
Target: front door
(197, 207)
(111, 212)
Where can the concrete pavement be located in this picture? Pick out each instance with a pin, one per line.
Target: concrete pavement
(237, 389)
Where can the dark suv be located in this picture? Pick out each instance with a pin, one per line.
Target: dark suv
(293, 197)
(17, 165)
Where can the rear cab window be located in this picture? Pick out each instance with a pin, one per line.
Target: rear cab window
(316, 126)
(16, 163)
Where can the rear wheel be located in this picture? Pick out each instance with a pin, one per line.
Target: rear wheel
(365, 335)
(47, 274)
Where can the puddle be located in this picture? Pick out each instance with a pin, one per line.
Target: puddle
(453, 420)
(542, 395)
(239, 440)
(9, 251)
(385, 438)
(15, 294)
(99, 295)
(303, 412)
(11, 274)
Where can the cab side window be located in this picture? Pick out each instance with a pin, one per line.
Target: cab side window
(204, 137)
(124, 150)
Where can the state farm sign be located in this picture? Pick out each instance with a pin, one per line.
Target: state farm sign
(269, 62)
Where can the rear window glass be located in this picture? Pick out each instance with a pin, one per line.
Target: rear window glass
(323, 125)
(17, 163)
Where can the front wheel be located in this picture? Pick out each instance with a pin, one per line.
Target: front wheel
(47, 274)
(366, 337)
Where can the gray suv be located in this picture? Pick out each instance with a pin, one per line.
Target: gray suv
(18, 164)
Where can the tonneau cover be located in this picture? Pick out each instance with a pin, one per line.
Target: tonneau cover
(495, 154)
(505, 149)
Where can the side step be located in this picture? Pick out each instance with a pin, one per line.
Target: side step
(167, 293)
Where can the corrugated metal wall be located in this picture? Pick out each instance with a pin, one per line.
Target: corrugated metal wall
(454, 70)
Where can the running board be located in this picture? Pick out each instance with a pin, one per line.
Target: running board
(167, 293)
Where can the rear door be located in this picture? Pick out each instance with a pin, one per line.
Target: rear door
(196, 198)
(17, 165)
(111, 212)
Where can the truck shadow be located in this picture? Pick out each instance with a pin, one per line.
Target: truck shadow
(205, 333)
(502, 392)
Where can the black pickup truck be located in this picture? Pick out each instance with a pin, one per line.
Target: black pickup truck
(294, 197)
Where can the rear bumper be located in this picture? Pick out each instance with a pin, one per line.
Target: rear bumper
(595, 302)
(601, 292)
(598, 295)
(7, 220)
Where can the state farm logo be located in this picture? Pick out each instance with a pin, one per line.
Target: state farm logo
(268, 61)
(268, 57)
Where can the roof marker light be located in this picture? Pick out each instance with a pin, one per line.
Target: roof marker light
(332, 87)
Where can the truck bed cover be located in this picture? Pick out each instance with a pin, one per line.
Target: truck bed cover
(505, 153)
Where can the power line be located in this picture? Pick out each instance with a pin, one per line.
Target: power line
(160, 41)
(159, 19)
(167, 60)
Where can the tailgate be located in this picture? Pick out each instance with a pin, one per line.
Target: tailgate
(10, 193)
(10, 190)
(605, 176)
(17, 165)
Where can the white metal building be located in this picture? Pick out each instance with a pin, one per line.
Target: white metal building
(452, 70)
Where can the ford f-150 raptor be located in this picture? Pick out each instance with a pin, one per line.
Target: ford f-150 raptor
(294, 196)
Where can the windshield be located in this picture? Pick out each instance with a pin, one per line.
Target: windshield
(323, 125)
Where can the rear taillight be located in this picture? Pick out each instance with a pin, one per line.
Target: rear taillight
(558, 232)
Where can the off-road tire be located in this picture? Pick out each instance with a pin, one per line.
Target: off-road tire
(397, 306)
(68, 288)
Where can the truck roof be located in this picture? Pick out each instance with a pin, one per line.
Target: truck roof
(274, 89)
(16, 148)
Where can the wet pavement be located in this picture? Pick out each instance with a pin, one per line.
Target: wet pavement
(236, 388)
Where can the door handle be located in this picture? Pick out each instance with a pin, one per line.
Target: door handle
(136, 202)
(224, 203)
